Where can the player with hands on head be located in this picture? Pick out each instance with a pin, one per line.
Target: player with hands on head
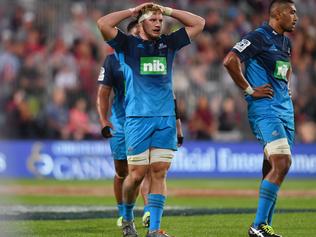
(150, 126)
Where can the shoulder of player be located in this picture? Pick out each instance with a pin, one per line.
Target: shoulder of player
(109, 59)
(127, 37)
(258, 33)
(258, 36)
(173, 32)
(110, 63)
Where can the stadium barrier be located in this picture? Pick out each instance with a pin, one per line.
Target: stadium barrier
(92, 160)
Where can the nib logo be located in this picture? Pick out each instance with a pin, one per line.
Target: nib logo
(281, 70)
(153, 66)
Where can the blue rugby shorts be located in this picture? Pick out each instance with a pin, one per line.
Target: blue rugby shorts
(142, 133)
(270, 128)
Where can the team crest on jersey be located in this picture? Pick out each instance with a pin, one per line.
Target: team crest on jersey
(281, 69)
(101, 75)
(242, 45)
(162, 46)
(153, 66)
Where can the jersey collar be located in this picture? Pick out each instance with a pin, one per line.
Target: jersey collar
(270, 30)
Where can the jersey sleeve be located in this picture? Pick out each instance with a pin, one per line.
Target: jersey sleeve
(178, 39)
(249, 46)
(106, 75)
(119, 43)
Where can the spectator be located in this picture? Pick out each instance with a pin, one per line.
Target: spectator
(41, 50)
(20, 122)
(79, 121)
(202, 124)
(57, 115)
(229, 118)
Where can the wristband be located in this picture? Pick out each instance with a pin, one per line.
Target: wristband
(167, 11)
(132, 10)
(249, 90)
(180, 140)
(106, 132)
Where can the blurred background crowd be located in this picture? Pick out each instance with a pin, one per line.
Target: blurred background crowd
(51, 53)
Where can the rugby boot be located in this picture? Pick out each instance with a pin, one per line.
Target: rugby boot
(128, 229)
(263, 230)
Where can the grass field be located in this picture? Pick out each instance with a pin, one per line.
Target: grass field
(298, 222)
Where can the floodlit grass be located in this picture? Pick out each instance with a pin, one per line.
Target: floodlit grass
(198, 202)
(289, 184)
(189, 202)
(230, 225)
(289, 225)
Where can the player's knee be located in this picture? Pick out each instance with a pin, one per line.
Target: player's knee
(137, 177)
(286, 167)
(160, 163)
(121, 170)
(278, 147)
(159, 175)
(121, 174)
(281, 164)
(161, 155)
(139, 159)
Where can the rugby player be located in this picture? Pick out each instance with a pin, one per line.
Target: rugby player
(150, 126)
(111, 77)
(266, 54)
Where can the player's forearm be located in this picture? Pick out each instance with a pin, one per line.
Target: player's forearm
(233, 66)
(102, 111)
(102, 105)
(107, 24)
(194, 24)
(179, 128)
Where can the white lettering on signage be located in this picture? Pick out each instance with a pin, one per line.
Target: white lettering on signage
(83, 168)
(238, 162)
(194, 161)
(303, 163)
(81, 148)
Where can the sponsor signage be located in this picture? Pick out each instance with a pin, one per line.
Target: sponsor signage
(66, 160)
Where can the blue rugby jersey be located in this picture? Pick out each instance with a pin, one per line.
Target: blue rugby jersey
(147, 69)
(266, 55)
(111, 75)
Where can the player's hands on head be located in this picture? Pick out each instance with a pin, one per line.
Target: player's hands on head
(164, 10)
(263, 91)
(136, 10)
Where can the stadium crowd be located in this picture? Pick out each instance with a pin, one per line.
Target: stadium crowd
(51, 53)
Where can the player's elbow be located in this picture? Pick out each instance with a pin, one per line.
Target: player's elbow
(105, 27)
(229, 60)
(226, 61)
(101, 23)
(196, 28)
(200, 24)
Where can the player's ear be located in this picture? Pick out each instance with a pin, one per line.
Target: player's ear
(277, 13)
